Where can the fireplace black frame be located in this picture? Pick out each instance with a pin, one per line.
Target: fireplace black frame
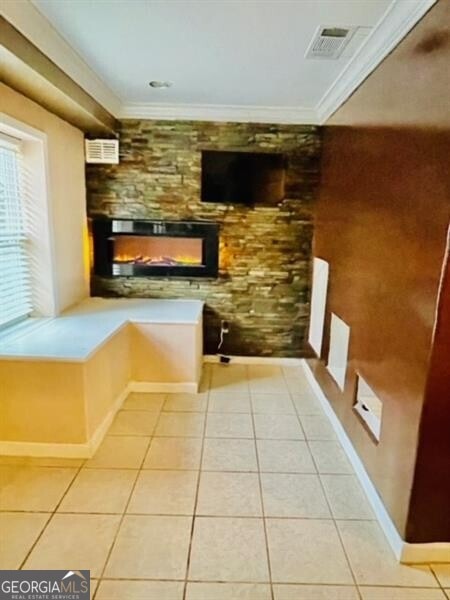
(104, 230)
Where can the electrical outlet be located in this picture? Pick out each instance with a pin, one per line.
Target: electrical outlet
(225, 326)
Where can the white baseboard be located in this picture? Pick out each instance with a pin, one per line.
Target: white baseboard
(404, 551)
(45, 450)
(436, 552)
(255, 360)
(189, 387)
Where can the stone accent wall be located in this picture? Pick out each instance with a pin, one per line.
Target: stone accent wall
(263, 287)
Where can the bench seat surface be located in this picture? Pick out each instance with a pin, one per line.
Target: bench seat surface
(81, 330)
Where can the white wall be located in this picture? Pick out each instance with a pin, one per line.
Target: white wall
(67, 195)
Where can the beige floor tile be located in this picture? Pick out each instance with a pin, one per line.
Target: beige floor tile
(164, 493)
(306, 551)
(222, 393)
(397, 593)
(306, 403)
(280, 427)
(119, 452)
(317, 427)
(140, 590)
(185, 403)
(330, 457)
(174, 453)
(18, 533)
(266, 379)
(232, 387)
(150, 547)
(33, 488)
(229, 378)
(272, 404)
(316, 592)
(133, 422)
(266, 371)
(293, 495)
(180, 424)
(442, 572)
(82, 540)
(298, 386)
(228, 591)
(373, 561)
(229, 455)
(228, 549)
(93, 588)
(268, 386)
(229, 403)
(140, 401)
(346, 497)
(229, 425)
(281, 456)
(229, 494)
(295, 372)
(99, 491)
(229, 372)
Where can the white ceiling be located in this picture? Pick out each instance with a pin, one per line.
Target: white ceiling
(227, 57)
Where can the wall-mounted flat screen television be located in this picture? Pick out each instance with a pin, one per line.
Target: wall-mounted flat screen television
(243, 177)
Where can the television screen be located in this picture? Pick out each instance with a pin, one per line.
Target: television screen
(242, 177)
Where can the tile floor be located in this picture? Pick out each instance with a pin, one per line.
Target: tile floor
(241, 491)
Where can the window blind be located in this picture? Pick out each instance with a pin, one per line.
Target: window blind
(15, 286)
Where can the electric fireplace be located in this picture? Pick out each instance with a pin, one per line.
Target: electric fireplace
(138, 248)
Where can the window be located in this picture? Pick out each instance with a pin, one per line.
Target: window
(15, 288)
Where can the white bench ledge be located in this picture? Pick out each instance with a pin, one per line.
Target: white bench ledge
(78, 332)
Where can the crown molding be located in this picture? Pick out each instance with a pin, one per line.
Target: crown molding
(26, 69)
(399, 18)
(217, 112)
(31, 23)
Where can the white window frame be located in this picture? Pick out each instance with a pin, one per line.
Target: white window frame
(37, 203)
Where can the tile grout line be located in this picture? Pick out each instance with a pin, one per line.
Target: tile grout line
(266, 537)
(218, 516)
(52, 514)
(139, 470)
(441, 586)
(199, 473)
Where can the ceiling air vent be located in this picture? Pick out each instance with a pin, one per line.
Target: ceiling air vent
(329, 42)
(104, 152)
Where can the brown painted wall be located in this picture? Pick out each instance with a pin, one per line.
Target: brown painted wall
(382, 222)
(429, 513)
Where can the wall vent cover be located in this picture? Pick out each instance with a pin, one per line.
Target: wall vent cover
(329, 42)
(104, 152)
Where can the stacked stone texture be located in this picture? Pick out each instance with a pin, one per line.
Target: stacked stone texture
(263, 288)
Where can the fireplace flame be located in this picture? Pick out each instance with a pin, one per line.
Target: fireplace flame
(158, 251)
(182, 261)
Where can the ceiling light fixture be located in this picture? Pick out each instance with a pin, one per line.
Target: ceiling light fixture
(160, 84)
